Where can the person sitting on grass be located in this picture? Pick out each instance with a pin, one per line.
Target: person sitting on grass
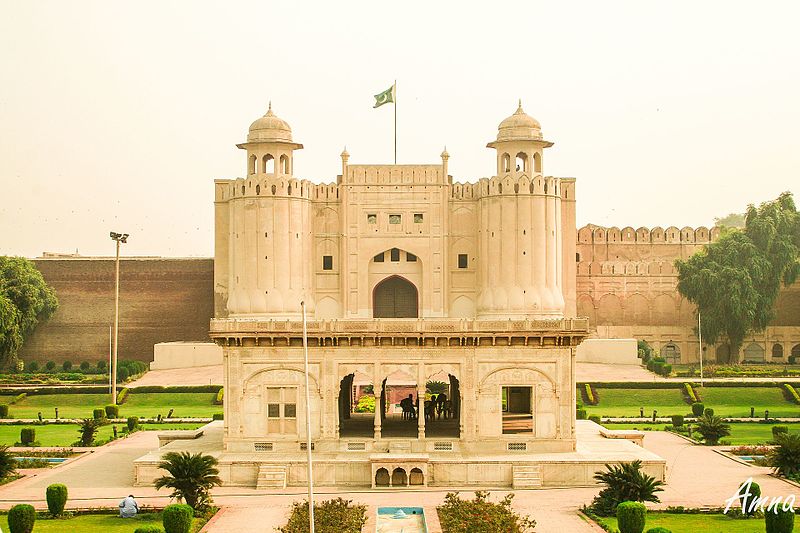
(128, 507)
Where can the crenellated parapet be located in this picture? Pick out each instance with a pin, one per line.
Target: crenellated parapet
(592, 234)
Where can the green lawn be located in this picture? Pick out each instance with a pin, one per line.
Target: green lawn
(66, 434)
(88, 524)
(186, 404)
(741, 432)
(707, 523)
(736, 401)
(626, 402)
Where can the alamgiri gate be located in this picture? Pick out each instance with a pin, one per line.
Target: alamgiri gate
(450, 307)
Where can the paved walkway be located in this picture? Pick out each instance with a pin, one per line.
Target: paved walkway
(199, 375)
(697, 476)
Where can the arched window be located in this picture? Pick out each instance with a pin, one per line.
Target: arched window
(522, 162)
(258, 189)
(671, 352)
(381, 477)
(506, 163)
(777, 351)
(796, 350)
(273, 189)
(284, 164)
(268, 164)
(253, 164)
(537, 162)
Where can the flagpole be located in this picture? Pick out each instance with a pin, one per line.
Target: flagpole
(394, 90)
(308, 426)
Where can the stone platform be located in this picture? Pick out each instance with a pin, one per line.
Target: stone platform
(355, 466)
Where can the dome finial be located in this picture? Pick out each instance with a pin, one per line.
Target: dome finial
(519, 106)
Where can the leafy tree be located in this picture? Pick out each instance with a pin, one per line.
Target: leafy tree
(735, 281)
(25, 300)
(330, 516)
(733, 220)
(191, 477)
(7, 463)
(785, 457)
(624, 483)
(712, 428)
(481, 516)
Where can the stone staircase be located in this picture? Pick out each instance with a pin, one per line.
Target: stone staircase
(526, 476)
(271, 477)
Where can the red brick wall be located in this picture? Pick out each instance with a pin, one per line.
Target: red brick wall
(161, 299)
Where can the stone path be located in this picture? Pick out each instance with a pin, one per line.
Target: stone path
(199, 375)
(697, 476)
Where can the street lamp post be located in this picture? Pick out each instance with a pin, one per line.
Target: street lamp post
(118, 238)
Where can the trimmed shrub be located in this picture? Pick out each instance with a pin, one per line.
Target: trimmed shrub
(658, 530)
(123, 374)
(677, 420)
(220, 396)
(177, 518)
(631, 517)
(777, 520)
(99, 413)
(3, 410)
(218, 416)
(102, 365)
(666, 370)
(32, 367)
(66, 365)
(779, 430)
(708, 411)
(755, 493)
(132, 422)
(56, 498)
(580, 414)
(85, 366)
(698, 408)
(658, 367)
(18, 398)
(27, 436)
(595, 419)
(50, 366)
(21, 518)
(112, 411)
(122, 395)
(148, 529)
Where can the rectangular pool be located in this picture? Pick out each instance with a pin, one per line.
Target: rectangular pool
(400, 520)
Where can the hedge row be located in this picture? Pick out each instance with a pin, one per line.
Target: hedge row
(122, 396)
(690, 393)
(675, 384)
(220, 397)
(103, 390)
(790, 390)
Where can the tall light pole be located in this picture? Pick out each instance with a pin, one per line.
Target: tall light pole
(308, 425)
(118, 238)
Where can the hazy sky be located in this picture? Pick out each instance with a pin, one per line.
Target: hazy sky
(119, 115)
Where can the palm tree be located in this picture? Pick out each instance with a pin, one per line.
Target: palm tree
(191, 477)
(785, 457)
(624, 482)
(7, 463)
(88, 430)
(713, 428)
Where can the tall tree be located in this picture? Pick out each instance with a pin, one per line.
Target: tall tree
(732, 220)
(25, 300)
(735, 281)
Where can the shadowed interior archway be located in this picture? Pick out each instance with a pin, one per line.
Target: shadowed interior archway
(395, 297)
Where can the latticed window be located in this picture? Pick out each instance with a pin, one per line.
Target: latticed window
(281, 409)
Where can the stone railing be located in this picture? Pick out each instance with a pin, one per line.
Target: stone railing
(377, 326)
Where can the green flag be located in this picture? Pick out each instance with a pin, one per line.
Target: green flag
(385, 97)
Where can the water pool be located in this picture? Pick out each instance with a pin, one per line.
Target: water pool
(400, 520)
(48, 459)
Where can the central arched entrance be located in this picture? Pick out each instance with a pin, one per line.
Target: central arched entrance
(395, 297)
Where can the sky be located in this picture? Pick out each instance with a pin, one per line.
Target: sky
(118, 116)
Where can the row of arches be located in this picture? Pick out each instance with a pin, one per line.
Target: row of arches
(398, 478)
(521, 163)
(266, 165)
(635, 309)
(625, 268)
(600, 235)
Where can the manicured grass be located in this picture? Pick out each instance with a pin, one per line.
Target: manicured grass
(89, 524)
(186, 404)
(626, 402)
(736, 401)
(741, 432)
(69, 405)
(67, 434)
(707, 523)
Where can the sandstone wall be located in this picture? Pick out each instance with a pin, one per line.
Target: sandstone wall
(161, 300)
